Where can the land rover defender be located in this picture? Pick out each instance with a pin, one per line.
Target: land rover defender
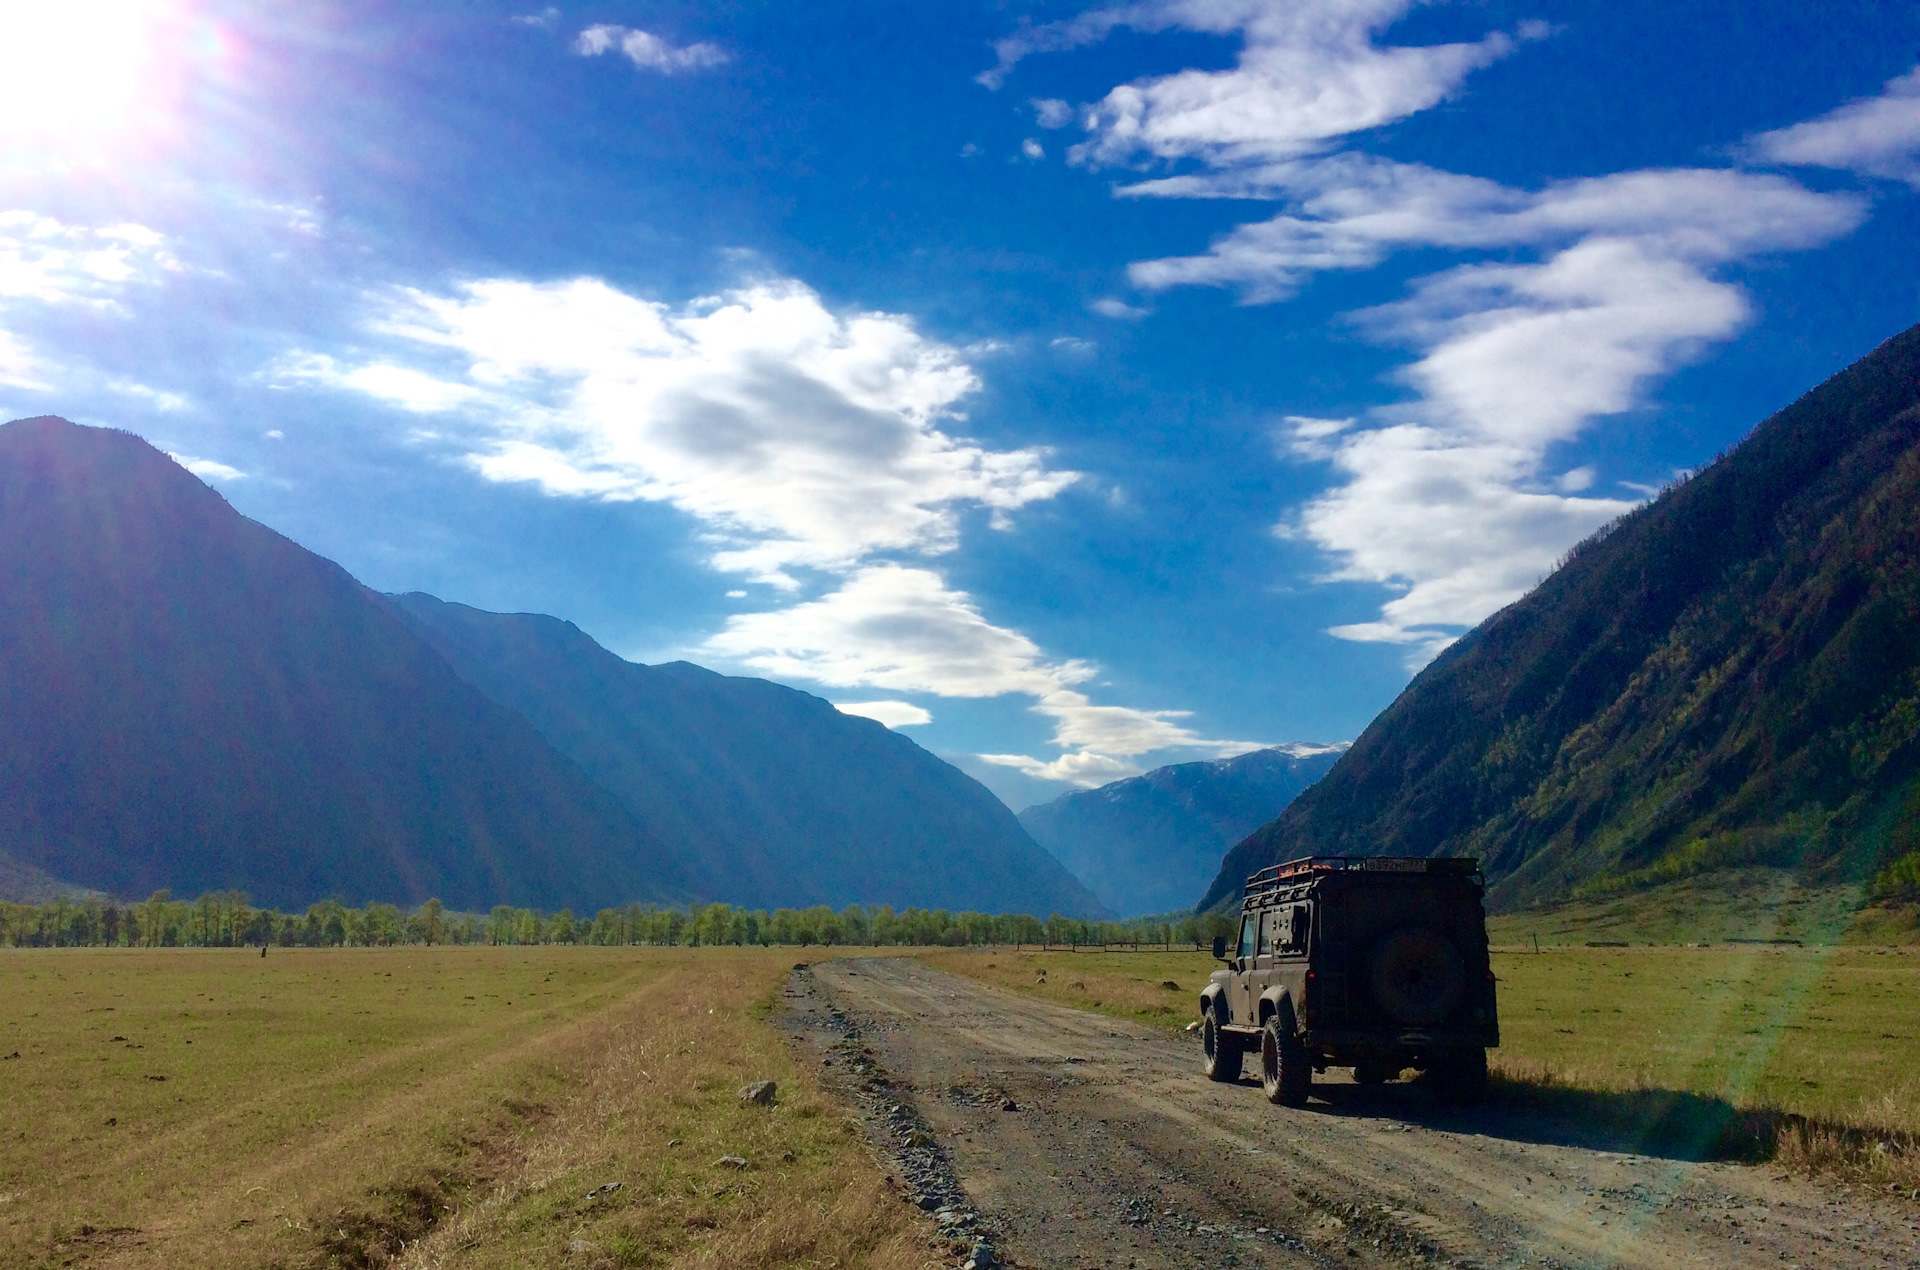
(1378, 963)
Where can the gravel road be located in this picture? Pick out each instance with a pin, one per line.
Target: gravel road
(1053, 1138)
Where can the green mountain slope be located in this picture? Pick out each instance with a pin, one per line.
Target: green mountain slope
(770, 795)
(189, 700)
(1150, 843)
(1727, 676)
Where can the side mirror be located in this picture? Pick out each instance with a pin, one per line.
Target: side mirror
(1219, 947)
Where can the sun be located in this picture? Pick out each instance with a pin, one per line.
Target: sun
(78, 77)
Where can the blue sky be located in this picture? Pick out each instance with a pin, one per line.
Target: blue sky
(1079, 389)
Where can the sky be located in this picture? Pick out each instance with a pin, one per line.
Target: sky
(1075, 389)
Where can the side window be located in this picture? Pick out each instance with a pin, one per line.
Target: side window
(1267, 917)
(1246, 935)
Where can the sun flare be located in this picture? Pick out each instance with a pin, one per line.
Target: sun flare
(77, 76)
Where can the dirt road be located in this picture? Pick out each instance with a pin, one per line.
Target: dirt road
(1055, 1139)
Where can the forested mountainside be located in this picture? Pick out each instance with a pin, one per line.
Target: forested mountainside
(190, 701)
(772, 796)
(1151, 843)
(1729, 675)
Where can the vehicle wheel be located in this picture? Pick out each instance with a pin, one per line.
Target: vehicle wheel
(1460, 1080)
(1373, 1074)
(1285, 1071)
(1223, 1050)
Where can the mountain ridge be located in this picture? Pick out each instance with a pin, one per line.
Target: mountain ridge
(189, 700)
(1717, 679)
(1149, 843)
(758, 779)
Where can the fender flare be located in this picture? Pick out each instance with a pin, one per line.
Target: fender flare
(1210, 997)
(1277, 1001)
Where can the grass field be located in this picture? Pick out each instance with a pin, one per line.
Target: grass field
(424, 1107)
(315, 1108)
(1829, 1034)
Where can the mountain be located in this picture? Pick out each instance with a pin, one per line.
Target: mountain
(1150, 843)
(1726, 676)
(188, 700)
(772, 796)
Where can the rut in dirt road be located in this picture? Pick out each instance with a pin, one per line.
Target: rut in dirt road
(1057, 1139)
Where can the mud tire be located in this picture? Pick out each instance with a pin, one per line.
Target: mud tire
(1286, 1073)
(1223, 1051)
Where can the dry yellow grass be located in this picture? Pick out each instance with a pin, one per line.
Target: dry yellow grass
(1809, 1055)
(1131, 985)
(325, 1108)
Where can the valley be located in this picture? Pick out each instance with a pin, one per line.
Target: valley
(1070, 1138)
(436, 1106)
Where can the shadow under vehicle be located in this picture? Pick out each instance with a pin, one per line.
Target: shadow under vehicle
(1378, 963)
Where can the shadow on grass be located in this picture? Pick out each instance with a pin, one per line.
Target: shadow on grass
(1656, 1123)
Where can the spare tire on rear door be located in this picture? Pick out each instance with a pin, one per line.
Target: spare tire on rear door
(1418, 976)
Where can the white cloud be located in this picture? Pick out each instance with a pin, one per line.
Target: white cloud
(155, 397)
(1450, 500)
(801, 438)
(1084, 770)
(1351, 212)
(1875, 136)
(544, 19)
(1119, 310)
(647, 51)
(1447, 499)
(207, 469)
(1033, 149)
(903, 629)
(1308, 74)
(48, 264)
(894, 627)
(1051, 112)
(895, 714)
(19, 368)
(1451, 505)
(45, 260)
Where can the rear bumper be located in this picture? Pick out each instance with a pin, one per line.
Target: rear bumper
(1417, 1040)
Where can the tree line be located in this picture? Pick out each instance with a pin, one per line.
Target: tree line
(225, 919)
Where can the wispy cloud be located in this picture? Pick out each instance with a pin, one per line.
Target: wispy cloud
(1051, 112)
(895, 714)
(47, 264)
(812, 447)
(1448, 499)
(802, 438)
(1308, 74)
(49, 261)
(1875, 136)
(207, 469)
(648, 51)
(900, 628)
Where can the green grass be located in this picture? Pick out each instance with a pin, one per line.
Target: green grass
(313, 1108)
(1733, 904)
(1832, 1034)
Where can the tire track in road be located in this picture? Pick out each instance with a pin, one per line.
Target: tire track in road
(1121, 1154)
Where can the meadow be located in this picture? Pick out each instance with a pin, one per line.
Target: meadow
(1820, 1044)
(417, 1107)
(425, 1106)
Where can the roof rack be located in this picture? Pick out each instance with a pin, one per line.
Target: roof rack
(1276, 874)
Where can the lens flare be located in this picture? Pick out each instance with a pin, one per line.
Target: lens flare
(79, 78)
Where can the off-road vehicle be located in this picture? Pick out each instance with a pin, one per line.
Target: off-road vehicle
(1374, 963)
